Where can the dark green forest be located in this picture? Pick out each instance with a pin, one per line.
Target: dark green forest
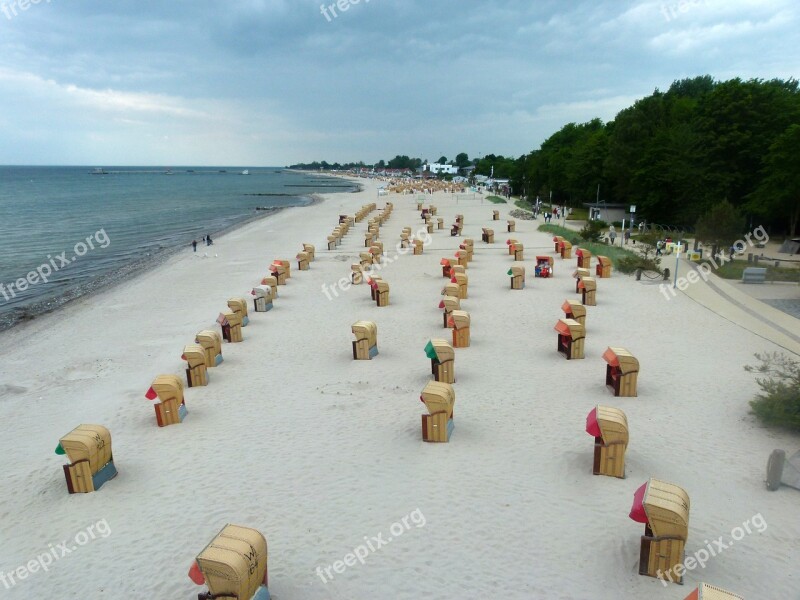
(676, 155)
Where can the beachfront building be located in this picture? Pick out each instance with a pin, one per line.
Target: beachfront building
(441, 169)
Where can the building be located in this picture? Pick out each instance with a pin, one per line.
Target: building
(438, 169)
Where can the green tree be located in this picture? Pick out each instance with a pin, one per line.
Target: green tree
(779, 191)
(720, 226)
(442, 160)
(462, 160)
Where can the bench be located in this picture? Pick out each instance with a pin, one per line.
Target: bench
(754, 275)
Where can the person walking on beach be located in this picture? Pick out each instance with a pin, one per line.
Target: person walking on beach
(612, 234)
(627, 236)
(208, 240)
(194, 245)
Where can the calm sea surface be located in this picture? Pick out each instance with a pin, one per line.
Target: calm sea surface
(134, 217)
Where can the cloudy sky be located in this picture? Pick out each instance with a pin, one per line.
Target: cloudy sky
(272, 82)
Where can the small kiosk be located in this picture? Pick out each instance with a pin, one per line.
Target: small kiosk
(512, 225)
(88, 447)
(574, 310)
(449, 304)
(233, 565)
(488, 235)
(622, 372)
(439, 398)
(603, 268)
(212, 347)
(196, 371)
(171, 409)
(239, 306)
(231, 325)
(571, 336)
(609, 426)
(262, 298)
(459, 321)
(584, 258)
(365, 347)
(587, 286)
(517, 273)
(544, 266)
(664, 510)
(443, 360)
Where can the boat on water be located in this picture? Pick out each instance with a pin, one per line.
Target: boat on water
(245, 172)
(98, 171)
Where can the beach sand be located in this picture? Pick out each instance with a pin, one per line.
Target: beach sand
(317, 451)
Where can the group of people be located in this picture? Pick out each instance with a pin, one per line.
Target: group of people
(206, 238)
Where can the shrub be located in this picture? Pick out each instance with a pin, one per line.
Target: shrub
(629, 264)
(593, 230)
(778, 404)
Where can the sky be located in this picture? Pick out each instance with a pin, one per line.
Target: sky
(275, 82)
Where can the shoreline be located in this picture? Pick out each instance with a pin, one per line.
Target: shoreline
(21, 316)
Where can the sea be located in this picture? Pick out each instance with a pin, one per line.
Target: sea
(68, 231)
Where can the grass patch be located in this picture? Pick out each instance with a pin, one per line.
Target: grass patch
(496, 200)
(579, 214)
(524, 205)
(615, 253)
(735, 269)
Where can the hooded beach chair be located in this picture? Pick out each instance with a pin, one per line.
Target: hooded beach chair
(557, 239)
(459, 320)
(439, 223)
(574, 310)
(279, 272)
(544, 266)
(429, 226)
(603, 268)
(366, 259)
(303, 261)
(517, 273)
(571, 335)
(511, 242)
(331, 242)
(518, 249)
(356, 273)
(609, 426)
(272, 282)
(171, 408)
(587, 286)
(584, 258)
(446, 266)
(566, 249)
(711, 592)
(365, 347)
(450, 289)
(212, 347)
(622, 372)
(196, 370)
(376, 253)
(239, 306)
(495, 215)
(462, 281)
(369, 237)
(443, 360)
(233, 566)
(439, 399)
(512, 225)
(469, 246)
(487, 235)
(405, 241)
(382, 293)
(231, 326)
(449, 304)
(418, 246)
(88, 447)
(262, 298)
(579, 274)
(311, 251)
(463, 258)
(664, 510)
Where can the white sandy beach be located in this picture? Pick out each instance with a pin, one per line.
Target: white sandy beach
(295, 438)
